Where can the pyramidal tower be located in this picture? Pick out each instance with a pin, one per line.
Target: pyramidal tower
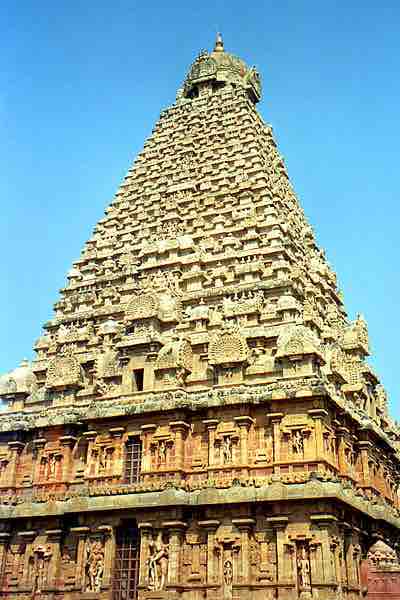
(199, 421)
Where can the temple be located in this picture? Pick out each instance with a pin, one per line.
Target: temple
(199, 421)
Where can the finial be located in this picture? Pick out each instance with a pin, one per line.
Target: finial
(219, 44)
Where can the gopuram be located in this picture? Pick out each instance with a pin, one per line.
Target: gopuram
(199, 422)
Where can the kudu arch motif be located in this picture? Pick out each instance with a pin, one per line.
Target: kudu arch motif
(199, 420)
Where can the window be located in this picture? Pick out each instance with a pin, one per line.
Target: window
(138, 376)
(133, 459)
(126, 567)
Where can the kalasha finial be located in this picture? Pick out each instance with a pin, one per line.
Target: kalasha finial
(219, 44)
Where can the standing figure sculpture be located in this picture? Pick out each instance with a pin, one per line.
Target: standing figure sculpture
(94, 565)
(297, 442)
(227, 450)
(303, 568)
(158, 564)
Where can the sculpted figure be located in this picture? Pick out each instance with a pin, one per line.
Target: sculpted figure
(162, 452)
(227, 450)
(52, 466)
(228, 572)
(94, 565)
(297, 442)
(158, 564)
(303, 566)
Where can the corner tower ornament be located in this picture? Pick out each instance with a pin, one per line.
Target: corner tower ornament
(200, 418)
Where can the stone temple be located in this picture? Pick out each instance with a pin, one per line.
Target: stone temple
(199, 421)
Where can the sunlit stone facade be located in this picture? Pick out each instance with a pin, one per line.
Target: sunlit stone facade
(199, 421)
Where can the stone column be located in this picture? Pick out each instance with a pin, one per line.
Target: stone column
(27, 537)
(180, 429)
(53, 539)
(364, 448)
(175, 530)
(325, 572)
(211, 526)
(276, 419)
(15, 449)
(146, 530)
(108, 537)
(38, 446)
(118, 459)
(82, 533)
(318, 415)
(67, 443)
(244, 526)
(284, 567)
(90, 437)
(351, 566)
(341, 432)
(211, 425)
(4, 543)
(146, 454)
(244, 423)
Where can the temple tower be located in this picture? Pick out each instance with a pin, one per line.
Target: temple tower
(199, 421)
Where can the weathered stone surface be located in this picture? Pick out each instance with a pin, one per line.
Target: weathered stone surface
(199, 421)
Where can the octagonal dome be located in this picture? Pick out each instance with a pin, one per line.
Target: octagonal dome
(218, 68)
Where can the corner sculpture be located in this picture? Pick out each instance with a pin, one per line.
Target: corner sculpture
(200, 420)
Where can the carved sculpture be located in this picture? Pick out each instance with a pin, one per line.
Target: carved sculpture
(94, 565)
(158, 564)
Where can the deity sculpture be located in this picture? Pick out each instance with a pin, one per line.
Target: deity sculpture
(162, 452)
(227, 449)
(158, 564)
(303, 569)
(52, 466)
(228, 572)
(94, 565)
(297, 442)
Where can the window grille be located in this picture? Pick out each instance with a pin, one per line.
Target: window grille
(126, 567)
(133, 459)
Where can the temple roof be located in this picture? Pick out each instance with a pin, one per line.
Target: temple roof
(221, 68)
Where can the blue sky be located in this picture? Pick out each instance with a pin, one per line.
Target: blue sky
(82, 83)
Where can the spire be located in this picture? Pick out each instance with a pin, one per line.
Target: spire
(219, 44)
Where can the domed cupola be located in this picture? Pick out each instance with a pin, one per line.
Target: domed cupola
(212, 71)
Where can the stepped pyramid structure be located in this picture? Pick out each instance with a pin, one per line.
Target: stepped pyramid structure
(199, 421)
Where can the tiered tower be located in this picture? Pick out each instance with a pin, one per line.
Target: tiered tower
(200, 421)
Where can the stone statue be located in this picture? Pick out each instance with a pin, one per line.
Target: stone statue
(52, 466)
(158, 564)
(227, 450)
(303, 568)
(162, 452)
(94, 565)
(297, 442)
(228, 572)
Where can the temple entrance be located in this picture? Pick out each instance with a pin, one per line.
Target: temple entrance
(126, 566)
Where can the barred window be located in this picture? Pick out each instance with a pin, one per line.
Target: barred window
(126, 566)
(133, 459)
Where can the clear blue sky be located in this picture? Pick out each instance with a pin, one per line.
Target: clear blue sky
(82, 84)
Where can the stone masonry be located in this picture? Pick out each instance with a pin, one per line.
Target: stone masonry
(199, 422)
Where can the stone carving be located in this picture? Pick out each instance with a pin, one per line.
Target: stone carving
(94, 565)
(64, 371)
(227, 449)
(142, 307)
(228, 347)
(158, 564)
(39, 566)
(297, 442)
(303, 568)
